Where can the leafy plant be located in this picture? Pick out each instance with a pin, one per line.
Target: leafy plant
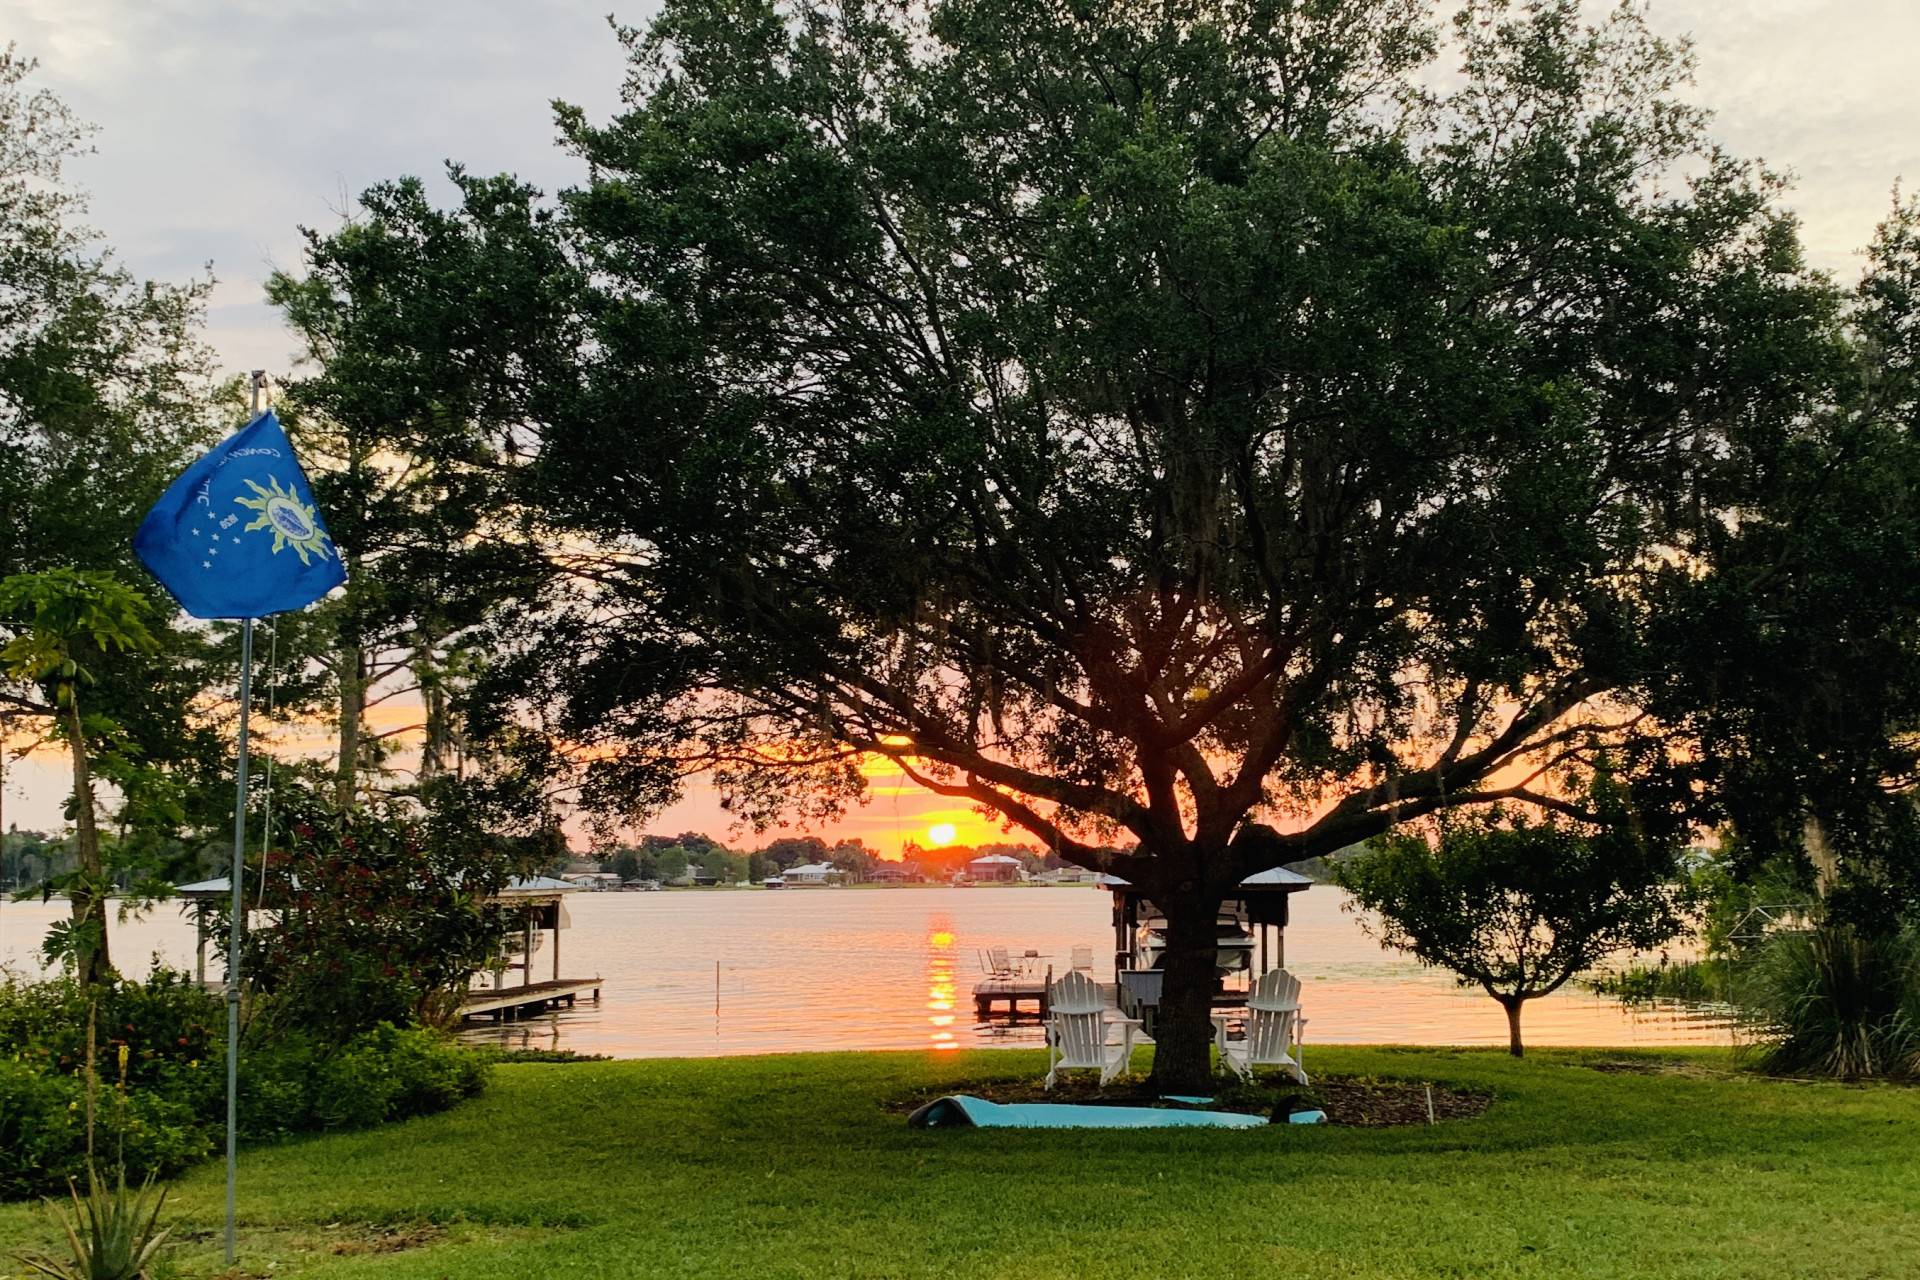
(1843, 1002)
(65, 617)
(167, 1104)
(111, 1236)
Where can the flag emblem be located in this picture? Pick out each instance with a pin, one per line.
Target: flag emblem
(292, 521)
(199, 542)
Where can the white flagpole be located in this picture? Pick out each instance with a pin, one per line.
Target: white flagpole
(239, 895)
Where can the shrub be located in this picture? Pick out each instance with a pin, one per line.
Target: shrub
(1698, 980)
(167, 1023)
(1841, 1002)
(173, 1111)
(43, 1138)
(278, 1079)
(390, 1073)
(381, 918)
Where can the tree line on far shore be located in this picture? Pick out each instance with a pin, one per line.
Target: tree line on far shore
(669, 859)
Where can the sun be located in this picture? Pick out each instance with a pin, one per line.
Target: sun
(941, 834)
(292, 521)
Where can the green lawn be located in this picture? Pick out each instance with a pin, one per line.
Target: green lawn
(789, 1166)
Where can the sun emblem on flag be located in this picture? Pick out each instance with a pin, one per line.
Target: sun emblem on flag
(292, 521)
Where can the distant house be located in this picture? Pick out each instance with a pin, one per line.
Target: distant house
(994, 866)
(593, 880)
(894, 873)
(811, 875)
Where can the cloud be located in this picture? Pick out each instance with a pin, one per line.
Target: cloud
(1821, 88)
(224, 126)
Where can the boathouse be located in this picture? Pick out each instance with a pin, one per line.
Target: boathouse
(543, 914)
(1251, 939)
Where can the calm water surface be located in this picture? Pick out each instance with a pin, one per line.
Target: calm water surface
(706, 973)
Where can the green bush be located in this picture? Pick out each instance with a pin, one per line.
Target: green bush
(1841, 1002)
(277, 1086)
(1675, 980)
(390, 1073)
(167, 1024)
(173, 1110)
(43, 1134)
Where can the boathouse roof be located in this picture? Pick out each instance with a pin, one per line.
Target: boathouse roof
(518, 887)
(1278, 880)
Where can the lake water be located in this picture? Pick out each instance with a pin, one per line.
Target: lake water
(719, 972)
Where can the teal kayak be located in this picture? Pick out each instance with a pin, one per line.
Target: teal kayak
(963, 1110)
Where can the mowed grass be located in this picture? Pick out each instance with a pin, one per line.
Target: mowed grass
(791, 1166)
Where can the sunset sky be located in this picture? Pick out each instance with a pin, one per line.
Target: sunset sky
(227, 125)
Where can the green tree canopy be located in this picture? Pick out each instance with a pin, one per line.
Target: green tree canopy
(104, 397)
(430, 334)
(1177, 431)
(1794, 669)
(1518, 906)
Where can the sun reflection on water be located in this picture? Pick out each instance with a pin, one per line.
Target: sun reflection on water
(940, 987)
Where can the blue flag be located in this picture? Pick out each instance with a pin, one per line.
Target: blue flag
(237, 536)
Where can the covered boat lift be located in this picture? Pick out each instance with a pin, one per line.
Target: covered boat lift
(542, 911)
(1252, 939)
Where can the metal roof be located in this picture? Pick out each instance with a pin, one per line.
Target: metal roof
(1278, 878)
(517, 885)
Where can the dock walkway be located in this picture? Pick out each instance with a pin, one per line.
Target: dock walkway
(512, 1003)
(1002, 998)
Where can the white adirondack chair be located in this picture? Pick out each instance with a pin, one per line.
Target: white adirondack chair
(1273, 1029)
(1082, 960)
(1079, 1031)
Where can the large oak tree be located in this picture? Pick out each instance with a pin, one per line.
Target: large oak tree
(1168, 426)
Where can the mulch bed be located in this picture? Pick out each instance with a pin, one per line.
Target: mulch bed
(1625, 1067)
(1359, 1102)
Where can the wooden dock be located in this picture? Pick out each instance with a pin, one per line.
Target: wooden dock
(1000, 999)
(991, 993)
(509, 1004)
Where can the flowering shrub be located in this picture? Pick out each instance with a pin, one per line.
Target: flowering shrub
(373, 917)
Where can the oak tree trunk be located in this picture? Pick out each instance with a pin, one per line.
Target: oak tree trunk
(1513, 1006)
(88, 896)
(1183, 1023)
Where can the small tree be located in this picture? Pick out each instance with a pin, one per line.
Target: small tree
(1517, 906)
(67, 617)
(375, 917)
